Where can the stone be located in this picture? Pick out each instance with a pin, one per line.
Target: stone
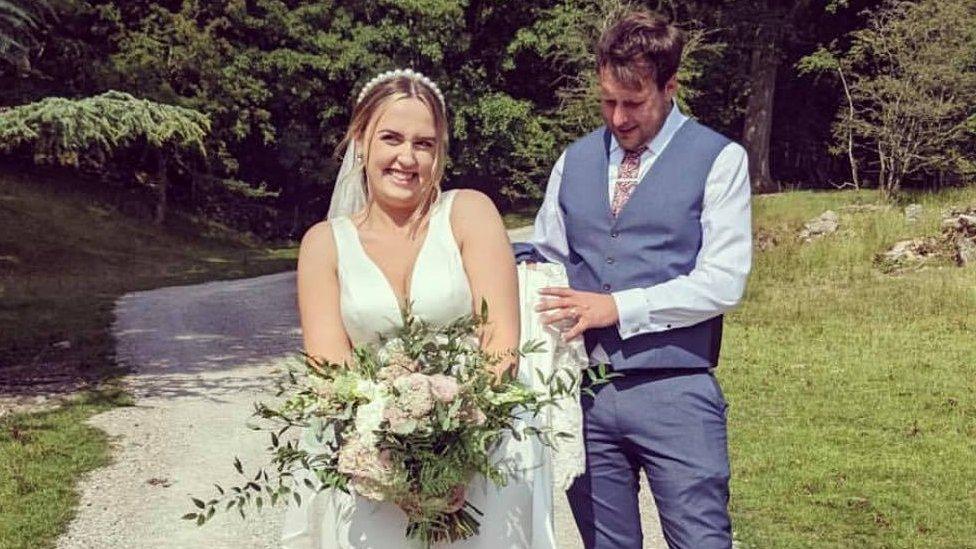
(913, 212)
(822, 225)
(966, 250)
(959, 222)
(907, 250)
(765, 240)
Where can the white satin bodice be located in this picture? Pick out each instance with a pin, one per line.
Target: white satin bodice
(438, 290)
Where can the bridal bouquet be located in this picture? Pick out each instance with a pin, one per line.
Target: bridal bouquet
(409, 421)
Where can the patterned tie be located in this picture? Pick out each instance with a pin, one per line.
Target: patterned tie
(626, 179)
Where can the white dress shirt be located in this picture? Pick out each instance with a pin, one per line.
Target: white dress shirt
(717, 281)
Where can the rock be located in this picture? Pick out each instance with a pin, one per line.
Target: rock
(907, 250)
(966, 250)
(959, 232)
(820, 226)
(957, 243)
(913, 212)
(156, 481)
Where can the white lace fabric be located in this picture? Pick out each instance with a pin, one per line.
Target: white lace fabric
(566, 360)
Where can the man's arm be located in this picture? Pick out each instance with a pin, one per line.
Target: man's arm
(718, 281)
(549, 238)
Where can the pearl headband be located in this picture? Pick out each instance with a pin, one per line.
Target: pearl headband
(409, 73)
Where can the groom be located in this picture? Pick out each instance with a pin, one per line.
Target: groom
(650, 215)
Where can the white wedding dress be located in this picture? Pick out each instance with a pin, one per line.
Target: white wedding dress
(516, 516)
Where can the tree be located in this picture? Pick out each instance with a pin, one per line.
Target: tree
(912, 83)
(79, 132)
(824, 60)
(278, 79)
(17, 25)
(565, 36)
(771, 28)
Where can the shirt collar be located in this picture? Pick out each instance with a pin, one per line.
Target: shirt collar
(657, 143)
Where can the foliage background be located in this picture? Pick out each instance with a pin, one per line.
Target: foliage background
(275, 78)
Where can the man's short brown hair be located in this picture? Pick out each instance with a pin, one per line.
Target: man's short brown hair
(640, 45)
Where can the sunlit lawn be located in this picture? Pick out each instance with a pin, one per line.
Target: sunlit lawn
(853, 393)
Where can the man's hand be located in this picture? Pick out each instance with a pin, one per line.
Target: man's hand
(586, 309)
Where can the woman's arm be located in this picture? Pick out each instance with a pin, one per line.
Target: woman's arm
(318, 297)
(490, 266)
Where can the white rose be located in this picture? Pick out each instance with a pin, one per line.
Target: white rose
(369, 389)
(368, 419)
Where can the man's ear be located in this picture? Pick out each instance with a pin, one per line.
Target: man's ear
(671, 87)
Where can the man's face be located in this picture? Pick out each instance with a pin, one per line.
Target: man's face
(634, 115)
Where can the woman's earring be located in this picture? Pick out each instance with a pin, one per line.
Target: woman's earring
(359, 158)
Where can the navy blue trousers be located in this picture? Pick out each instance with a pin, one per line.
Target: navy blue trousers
(671, 424)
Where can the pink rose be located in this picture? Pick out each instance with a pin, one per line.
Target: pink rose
(414, 395)
(443, 388)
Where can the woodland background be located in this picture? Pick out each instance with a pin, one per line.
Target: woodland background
(230, 110)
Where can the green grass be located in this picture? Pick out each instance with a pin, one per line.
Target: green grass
(64, 259)
(42, 455)
(518, 217)
(852, 404)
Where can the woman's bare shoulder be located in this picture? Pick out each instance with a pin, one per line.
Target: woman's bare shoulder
(318, 242)
(473, 209)
(476, 220)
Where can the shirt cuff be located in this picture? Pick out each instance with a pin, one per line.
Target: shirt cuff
(631, 312)
(633, 316)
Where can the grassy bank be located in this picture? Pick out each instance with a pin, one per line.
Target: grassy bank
(64, 259)
(852, 402)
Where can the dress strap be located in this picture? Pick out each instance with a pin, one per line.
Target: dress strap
(343, 233)
(442, 208)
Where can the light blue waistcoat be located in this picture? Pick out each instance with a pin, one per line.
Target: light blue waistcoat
(655, 238)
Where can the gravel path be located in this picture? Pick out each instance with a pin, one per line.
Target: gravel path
(201, 356)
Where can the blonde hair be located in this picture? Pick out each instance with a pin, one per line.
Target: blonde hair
(374, 103)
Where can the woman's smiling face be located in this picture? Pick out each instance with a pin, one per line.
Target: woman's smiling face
(401, 154)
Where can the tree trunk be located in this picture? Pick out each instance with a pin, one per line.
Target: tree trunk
(162, 187)
(759, 112)
(855, 178)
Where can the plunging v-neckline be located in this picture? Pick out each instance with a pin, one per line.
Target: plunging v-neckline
(411, 273)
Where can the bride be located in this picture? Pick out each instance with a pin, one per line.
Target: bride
(392, 238)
